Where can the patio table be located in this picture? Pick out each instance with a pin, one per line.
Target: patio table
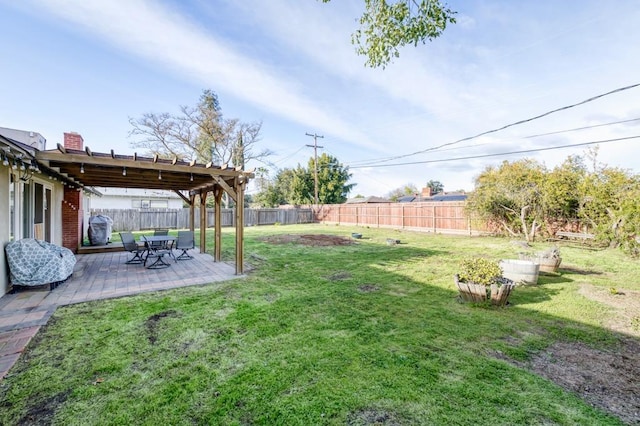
(158, 246)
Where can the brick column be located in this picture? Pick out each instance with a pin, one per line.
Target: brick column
(72, 203)
(71, 219)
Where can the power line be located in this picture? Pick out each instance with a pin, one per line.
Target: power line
(373, 161)
(498, 154)
(581, 128)
(591, 99)
(289, 156)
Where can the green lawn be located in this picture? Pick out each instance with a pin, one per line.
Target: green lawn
(360, 334)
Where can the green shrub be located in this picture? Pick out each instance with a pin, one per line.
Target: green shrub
(480, 271)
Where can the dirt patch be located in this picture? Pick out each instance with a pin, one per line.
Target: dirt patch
(372, 416)
(42, 412)
(152, 324)
(339, 276)
(368, 288)
(625, 317)
(313, 240)
(605, 379)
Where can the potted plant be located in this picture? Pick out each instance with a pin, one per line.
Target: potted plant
(481, 279)
(549, 260)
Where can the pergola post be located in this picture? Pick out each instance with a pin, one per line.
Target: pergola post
(217, 251)
(192, 212)
(239, 187)
(203, 222)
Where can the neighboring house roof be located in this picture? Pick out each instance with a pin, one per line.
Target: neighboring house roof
(407, 199)
(448, 197)
(366, 200)
(436, 197)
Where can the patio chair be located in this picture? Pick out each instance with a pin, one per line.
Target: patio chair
(130, 245)
(164, 245)
(185, 242)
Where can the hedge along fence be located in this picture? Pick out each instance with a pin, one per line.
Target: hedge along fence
(138, 219)
(436, 216)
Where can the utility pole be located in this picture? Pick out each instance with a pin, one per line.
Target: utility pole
(315, 156)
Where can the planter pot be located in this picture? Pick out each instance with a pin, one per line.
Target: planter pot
(548, 265)
(472, 292)
(520, 271)
(500, 294)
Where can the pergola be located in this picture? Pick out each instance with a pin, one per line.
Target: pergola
(85, 169)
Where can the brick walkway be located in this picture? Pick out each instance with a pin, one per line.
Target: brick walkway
(95, 277)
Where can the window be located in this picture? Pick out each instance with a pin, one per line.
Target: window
(159, 204)
(27, 210)
(150, 204)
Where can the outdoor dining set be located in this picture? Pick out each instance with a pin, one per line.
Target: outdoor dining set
(155, 249)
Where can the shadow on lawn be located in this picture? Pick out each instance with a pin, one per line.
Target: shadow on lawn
(388, 343)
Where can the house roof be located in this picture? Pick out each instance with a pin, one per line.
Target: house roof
(436, 197)
(407, 199)
(23, 154)
(448, 197)
(365, 200)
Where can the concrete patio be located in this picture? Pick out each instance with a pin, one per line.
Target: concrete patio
(95, 277)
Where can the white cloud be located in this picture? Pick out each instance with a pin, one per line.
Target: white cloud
(151, 30)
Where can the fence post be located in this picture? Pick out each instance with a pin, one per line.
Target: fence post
(433, 219)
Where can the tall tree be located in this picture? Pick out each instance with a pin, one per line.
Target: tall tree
(333, 178)
(296, 186)
(199, 133)
(387, 25)
(276, 192)
(436, 186)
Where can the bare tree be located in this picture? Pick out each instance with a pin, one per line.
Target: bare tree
(199, 133)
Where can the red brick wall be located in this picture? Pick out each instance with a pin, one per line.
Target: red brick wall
(73, 140)
(72, 203)
(71, 219)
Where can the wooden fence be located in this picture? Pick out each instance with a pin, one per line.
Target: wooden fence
(439, 216)
(137, 220)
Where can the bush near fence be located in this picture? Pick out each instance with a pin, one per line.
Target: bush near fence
(141, 219)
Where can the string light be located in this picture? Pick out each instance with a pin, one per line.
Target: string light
(124, 171)
(82, 168)
(159, 174)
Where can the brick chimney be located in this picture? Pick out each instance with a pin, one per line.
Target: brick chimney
(426, 192)
(72, 203)
(73, 140)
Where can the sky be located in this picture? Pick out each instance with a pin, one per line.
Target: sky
(91, 66)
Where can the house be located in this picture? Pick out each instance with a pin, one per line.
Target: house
(135, 198)
(45, 194)
(427, 196)
(35, 200)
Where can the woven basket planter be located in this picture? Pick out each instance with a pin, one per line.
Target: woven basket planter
(478, 293)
